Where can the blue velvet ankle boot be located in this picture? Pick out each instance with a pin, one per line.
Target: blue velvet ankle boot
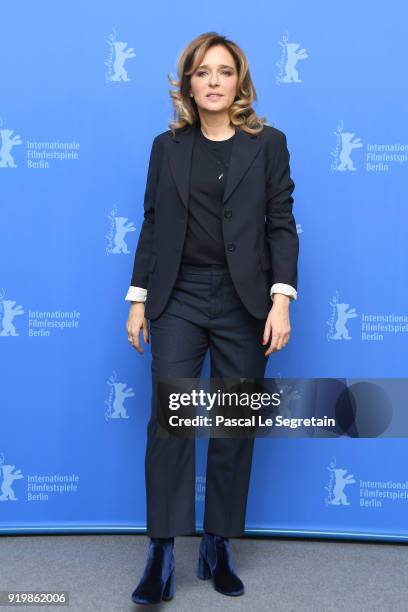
(157, 582)
(215, 561)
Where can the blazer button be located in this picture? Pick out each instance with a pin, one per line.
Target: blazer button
(228, 214)
(230, 246)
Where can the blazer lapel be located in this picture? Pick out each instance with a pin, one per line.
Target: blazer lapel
(244, 148)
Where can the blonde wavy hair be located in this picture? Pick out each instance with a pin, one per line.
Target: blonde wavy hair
(241, 113)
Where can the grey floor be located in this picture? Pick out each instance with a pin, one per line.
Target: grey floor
(100, 572)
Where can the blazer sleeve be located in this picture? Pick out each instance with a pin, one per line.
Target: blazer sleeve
(144, 246)
(282, 236)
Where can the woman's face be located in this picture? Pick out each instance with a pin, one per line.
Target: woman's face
(215, 75)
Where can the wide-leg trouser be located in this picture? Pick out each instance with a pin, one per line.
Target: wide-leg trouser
(204, 312)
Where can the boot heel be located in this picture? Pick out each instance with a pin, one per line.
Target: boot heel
(168, 592)
(203, 570)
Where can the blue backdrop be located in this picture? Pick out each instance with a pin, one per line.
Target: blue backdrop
(84, 91)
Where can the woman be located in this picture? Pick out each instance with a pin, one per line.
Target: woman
(215, 268)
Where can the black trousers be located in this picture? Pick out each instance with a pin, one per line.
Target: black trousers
(204, 312)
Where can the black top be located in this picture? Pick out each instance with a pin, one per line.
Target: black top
(209, 165)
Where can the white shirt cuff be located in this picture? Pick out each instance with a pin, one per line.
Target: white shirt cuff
(136, 294)
(285, 289)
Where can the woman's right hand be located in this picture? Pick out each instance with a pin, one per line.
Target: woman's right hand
(137, 321)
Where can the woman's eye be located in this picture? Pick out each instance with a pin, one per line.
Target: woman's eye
(226, 72)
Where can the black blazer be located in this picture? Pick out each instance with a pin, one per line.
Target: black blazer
(260, 237)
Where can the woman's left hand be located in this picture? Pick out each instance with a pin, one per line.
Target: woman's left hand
(277, 326)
